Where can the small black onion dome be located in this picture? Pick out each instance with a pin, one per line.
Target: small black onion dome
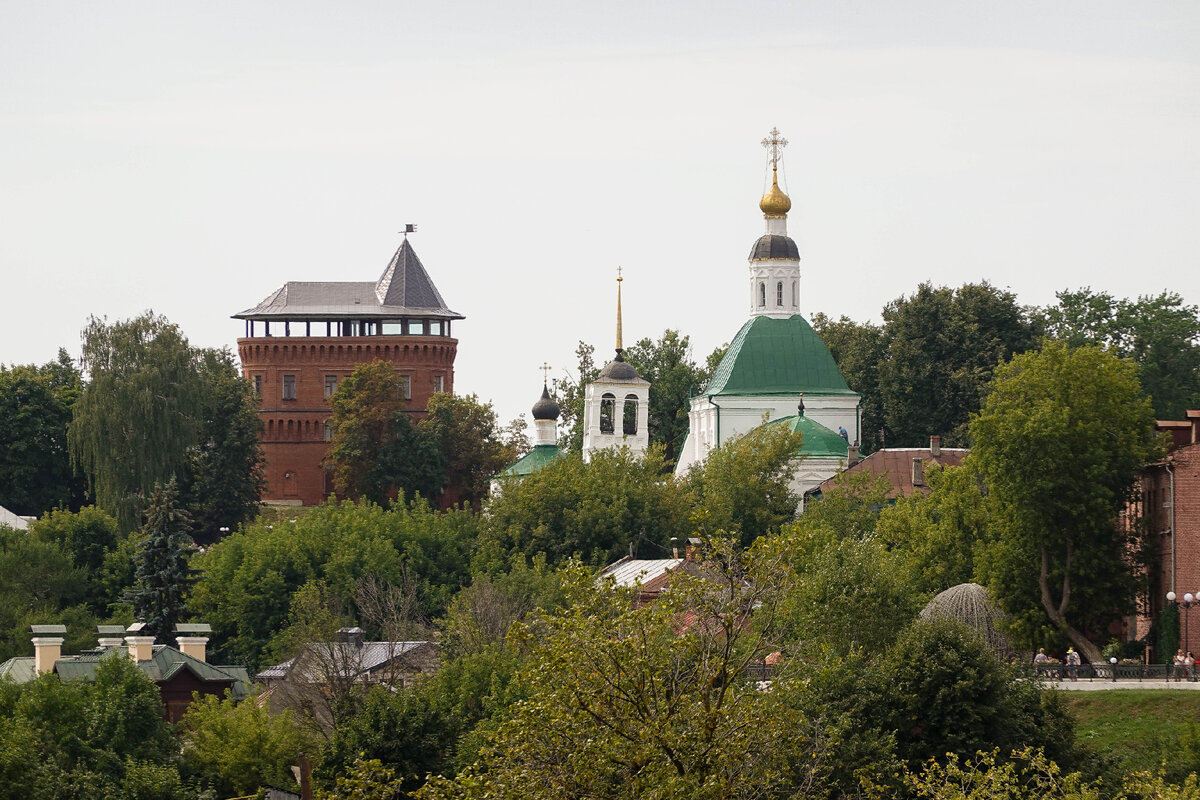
(545, 408)
(772, 245)
(619, 370)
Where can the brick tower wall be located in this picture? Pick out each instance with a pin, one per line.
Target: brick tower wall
(293, 436)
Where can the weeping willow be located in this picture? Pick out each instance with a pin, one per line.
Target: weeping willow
(138, 413)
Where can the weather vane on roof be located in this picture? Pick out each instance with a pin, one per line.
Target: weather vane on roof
(775, 144)
(409, 228)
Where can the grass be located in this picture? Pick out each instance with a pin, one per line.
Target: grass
(1140, 729)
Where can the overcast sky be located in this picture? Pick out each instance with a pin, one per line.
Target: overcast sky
(192, 158)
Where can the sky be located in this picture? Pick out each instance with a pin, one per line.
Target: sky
(192, 158)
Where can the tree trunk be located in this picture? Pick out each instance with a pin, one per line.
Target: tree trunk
(1058, 611)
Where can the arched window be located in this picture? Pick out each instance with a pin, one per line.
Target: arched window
(762, 294)
(795, 294)
(329, 430)
(608, 403)
(779, 294)
(629, 423)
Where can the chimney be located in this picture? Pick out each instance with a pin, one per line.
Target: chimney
(918, 472)
(692, 550)
(141, 648)
(47, 646)
(110, 636)
(352, 636)
(674, 547)
(852, 455)
(192, 641)
(935, 446)
(1194, 418)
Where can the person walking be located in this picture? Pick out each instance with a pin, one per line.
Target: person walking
(1179, 657)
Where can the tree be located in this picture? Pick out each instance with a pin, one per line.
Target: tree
(674, 379)
(376, 449)
(137, 414)
(944, 692)
(155, 409)
(161, 572)
(599, 511)
(238, 748)
(222, 478)
(942, 346)
(1160, 333)
(472, 450)
(1060, 442)
(858, 349)
(744, 485)
(35, 410)
(630, 702)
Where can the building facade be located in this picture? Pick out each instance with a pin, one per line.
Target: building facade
(304, 339)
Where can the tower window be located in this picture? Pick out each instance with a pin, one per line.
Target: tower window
(331, 382)
(289, 387)
(608, 409)
(779, 294)
(762, 294)
(439, 383)
(258, 380)
(329, 430)
(629, 425)
(795, 294)
(405, 387)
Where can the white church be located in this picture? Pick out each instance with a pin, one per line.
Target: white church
(777, 371)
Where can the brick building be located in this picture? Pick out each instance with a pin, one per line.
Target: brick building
(1171, 511)
(306, 337)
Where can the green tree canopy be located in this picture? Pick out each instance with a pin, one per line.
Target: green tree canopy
(376, 449)
(1160, 333)
(36, 403)
(597, 510)
(1059, 442)
(468, 438)
(162, 576)
(858, 349)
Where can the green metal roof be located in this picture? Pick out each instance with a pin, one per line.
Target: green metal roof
(819, 441)
(777, 356)
(532, 461)
(162, 666)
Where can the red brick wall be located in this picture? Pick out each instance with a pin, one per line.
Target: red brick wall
(1156, 492)
(293, 436)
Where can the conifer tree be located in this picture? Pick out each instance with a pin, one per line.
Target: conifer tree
(162, 576)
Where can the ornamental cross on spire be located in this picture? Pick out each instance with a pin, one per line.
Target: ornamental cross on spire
(774, 144)
(545, 368)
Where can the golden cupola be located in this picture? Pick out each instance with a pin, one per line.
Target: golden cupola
(775, 203)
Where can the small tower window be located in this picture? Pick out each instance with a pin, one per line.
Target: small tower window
(329, 430)
(762, 294)
(630, 421)
(779, 294)
(331, 382)
(405, 387)
(439, 383)
(608, 403)
(795, 294)
(289, 387)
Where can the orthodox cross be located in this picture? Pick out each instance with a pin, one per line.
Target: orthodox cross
(545, 368)
(775, 144)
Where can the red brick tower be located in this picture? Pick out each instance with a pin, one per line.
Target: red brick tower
(306, 337)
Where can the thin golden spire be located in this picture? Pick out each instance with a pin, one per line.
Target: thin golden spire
(619, 279)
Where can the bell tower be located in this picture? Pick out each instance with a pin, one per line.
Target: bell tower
(616, 404)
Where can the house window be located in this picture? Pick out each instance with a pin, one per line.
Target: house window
(439, 383)
(330, 385)
(258, 387)
(289, 387)
(405, 387)
(607, 409)
(779, 294)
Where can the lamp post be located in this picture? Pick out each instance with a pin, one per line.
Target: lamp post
(1189, 600)
(1113, 661)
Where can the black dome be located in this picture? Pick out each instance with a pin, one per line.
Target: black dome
(545, 408)
(773, 246)
(619, 370)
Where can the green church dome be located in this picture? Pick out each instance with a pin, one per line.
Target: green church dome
(819, 441)
(777, 356)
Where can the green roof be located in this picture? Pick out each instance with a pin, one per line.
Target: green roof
(162, 666)
(819, 441)
(777, 356)
(532, 461)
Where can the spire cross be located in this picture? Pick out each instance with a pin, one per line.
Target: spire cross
(774, 144)
(545, 368)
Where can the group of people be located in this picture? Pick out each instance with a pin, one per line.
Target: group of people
(1049, 667)
(1185, 666)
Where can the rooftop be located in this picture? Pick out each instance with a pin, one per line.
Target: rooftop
(777, 356)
